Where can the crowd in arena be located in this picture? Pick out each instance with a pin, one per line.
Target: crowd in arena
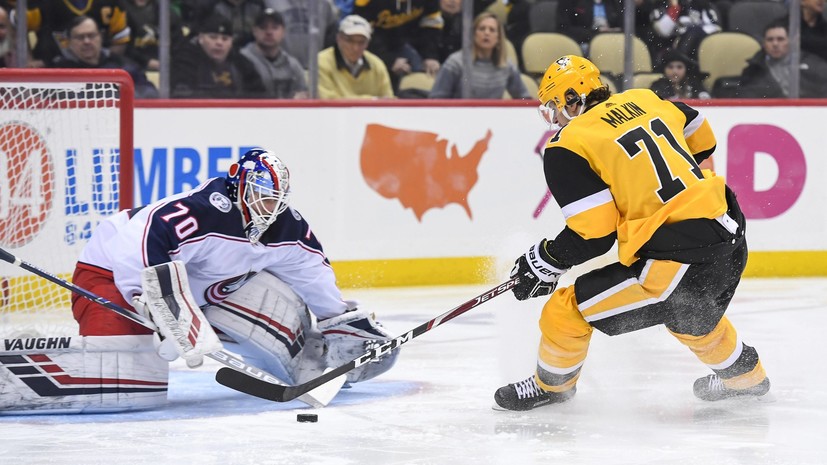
(414, 48)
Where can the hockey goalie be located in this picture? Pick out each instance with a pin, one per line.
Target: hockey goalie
(228, 264)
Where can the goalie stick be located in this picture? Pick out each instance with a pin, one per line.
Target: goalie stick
(316, 399)
(281, 393)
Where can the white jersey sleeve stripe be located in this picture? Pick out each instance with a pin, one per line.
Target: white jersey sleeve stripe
(587, 203)
(693, 125)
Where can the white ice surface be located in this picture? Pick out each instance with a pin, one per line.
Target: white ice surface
(634, 403)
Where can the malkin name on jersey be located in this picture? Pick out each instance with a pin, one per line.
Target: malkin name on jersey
(625, 112)
(37, 343)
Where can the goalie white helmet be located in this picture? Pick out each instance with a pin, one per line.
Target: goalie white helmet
(259, 184)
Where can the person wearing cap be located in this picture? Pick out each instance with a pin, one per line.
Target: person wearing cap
(208, 67)
(347, 69)
(282, 74)
(682, 78)
(240, 13)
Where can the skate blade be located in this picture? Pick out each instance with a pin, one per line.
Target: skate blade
(497, 407)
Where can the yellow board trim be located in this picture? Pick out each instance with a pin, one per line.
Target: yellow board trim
(481, 270)
(414, 272)
(436, 272)
(805, 263)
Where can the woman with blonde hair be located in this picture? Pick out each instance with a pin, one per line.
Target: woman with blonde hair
(491, 73)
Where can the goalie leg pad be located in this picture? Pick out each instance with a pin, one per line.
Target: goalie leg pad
(272, 326)
(351, 335)
(81, 374)
(169, 302)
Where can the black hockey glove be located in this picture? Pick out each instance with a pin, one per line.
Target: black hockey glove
(537, 271)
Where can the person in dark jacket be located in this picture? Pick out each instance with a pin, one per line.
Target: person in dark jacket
(209, 67)
(281, 73)
(767, 74)
(682, 79)
(85, 50)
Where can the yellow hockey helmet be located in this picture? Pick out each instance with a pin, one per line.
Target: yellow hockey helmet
(567, 80)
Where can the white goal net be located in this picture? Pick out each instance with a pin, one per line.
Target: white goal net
(66, 153)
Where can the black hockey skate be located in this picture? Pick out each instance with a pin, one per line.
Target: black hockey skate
(527, 395)
(712, 388)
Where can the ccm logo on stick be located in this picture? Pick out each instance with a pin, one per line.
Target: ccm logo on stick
(383, 349)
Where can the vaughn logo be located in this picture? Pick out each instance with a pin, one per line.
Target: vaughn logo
(39, 343)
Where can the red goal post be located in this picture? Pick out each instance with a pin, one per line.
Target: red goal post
(66, 158)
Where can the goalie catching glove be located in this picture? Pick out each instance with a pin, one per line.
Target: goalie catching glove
(183, 330)
(351, 335)
(537, 272)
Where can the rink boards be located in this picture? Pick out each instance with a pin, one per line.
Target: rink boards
(391, 201)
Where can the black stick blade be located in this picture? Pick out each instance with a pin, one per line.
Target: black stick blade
(250, 385)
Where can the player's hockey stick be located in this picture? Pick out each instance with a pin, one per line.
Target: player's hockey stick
(317, 399)
(280, 393)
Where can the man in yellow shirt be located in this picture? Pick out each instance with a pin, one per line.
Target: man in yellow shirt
(348, 70)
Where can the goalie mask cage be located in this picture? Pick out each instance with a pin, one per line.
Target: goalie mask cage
(66, 161)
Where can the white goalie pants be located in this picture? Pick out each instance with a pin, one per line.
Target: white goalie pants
(270, 326)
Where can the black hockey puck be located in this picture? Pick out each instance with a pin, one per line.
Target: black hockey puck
(307, 418)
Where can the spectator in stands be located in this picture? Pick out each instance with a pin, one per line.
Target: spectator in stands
(406, 34)
(143, 19)
(281, 74)
(296, 15)
(208, 66)
(6, 40)
(686, 22)
(347, 69)
(813, 28)
(682, 79)
(767, 74)
(491, 74)
(583, 19)
(49, 19)
(450, 40)
(85, 50)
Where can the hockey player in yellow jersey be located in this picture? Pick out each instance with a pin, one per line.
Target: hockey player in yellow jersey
(625, 168)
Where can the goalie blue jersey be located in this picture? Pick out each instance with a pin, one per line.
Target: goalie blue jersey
(203, 229)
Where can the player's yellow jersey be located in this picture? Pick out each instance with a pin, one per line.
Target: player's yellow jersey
(629, 165)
